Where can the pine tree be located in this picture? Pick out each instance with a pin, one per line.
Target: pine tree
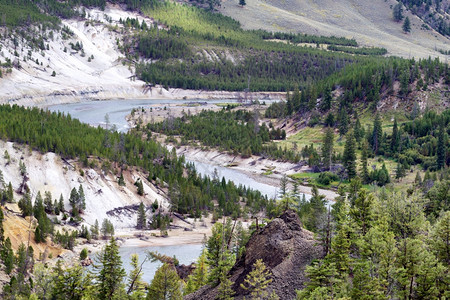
(362, 210)
(327, 148)
(364, 170)
(141, 218)
(140, 187)
(257, 280)
(61, 203)
(283, 185)
(315, 210)
(199, 277)
(399, 171)
(418, 179)
(2, 231)
(325, 104)
(121, 180)
(340, 245)
(349, 157)
(377, 134)
(397, 12)
(406, 25)
(218, 256)
(441, 147)
(395, 140)
(73, 200)
(440, 238)
(70, 283)
(25, 205)
(165, 285)
(225, 291)
(10, 193)
(111, 274)
(7, 256)
(136, 287)
(95, 230)
(81, 199)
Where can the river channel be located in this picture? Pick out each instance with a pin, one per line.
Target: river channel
(94, 112)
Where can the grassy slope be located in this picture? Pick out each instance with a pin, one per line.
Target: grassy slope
(369, 22)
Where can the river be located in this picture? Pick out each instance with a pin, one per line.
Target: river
(94, 112)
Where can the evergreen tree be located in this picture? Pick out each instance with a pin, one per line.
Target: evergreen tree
(257, 280)
(218, 256)
(315, 210)
(349, 157)
(121, 180)
(7, 255)
(110, 277)
(2, 231)
(199, 277)
(440, 238)
(61, 203)
(70, 283)
(362, 210)
(10, 193)
(140, 187)
(141, 218)
(406, 25)
(441, 147)
(81, 199)
(377, 134)
(95, 230)
(25, 205)
(165, 285)
(395, 140)
(136, 287)
(73, 200)
(284, 185)
(225, 291)
(364, 170)
(48, 202)
(327, 148)
(418, 179)
(107, 228)
(400, 171)
(325, 104)
(397, 12)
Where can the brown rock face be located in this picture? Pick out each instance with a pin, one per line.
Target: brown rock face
(285, 248)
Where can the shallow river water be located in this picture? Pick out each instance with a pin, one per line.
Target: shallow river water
(93, 112)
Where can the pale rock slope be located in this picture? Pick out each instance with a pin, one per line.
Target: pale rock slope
(76, 78)
(48, 172)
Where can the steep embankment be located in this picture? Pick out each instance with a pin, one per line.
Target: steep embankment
(369, 22)
(104, 197)
(95, 72)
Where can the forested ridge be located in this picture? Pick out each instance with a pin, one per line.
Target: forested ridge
(237, 132)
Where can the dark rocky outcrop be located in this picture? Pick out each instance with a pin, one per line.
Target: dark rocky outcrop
(185, 270)
(286, 249)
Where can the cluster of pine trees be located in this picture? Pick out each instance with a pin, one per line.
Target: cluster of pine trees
(235, 131)
(383, 246)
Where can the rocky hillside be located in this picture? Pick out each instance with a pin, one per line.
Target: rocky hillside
(104, 197)
(285, 248)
